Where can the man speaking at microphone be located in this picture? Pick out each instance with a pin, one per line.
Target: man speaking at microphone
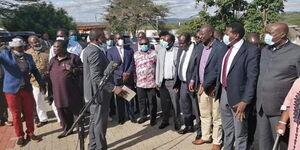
(94, 64)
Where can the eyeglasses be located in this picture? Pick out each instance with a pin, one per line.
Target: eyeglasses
(197, 37)
(143, 43)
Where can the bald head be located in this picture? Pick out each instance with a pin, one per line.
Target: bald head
(97, 36)
(207, 27)
(279, 31)
(34, 42)
(280, 27)
(253, 38)
(32, 37)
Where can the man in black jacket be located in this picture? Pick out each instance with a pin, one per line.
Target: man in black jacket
(237, 86)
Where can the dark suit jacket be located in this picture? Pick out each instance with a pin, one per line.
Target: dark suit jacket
(242, 76)
(213, 65)
(126, 65)
(191, 67)
(94, 64)
(278, 71)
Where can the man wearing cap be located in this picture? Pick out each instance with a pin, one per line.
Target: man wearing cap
(17, 66)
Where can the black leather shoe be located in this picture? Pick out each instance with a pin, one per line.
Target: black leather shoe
(177, 127)
(186, 130)
(153, 122)
(163, 125)
(121, 122)
(142, 120)
(20, 141)
(133, 120)
(62, 135)
(198, 137)
(34, 138)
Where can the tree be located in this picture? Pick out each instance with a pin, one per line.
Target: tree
(130, 15)
(227, 11)
(38, 17)
(262, 12)
(255, 15)
(7, 6)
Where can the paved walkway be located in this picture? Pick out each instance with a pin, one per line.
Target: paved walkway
(128, 136)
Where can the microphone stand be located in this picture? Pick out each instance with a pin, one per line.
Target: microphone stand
(80, 119)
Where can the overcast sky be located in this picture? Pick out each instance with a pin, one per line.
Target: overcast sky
(92, 10)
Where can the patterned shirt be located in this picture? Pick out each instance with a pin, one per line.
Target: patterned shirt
(41, 61)
(145, 63)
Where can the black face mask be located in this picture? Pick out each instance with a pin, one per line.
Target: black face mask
(170, 45)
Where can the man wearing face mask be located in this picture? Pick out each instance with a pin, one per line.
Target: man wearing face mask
(40, 55)
(123, 76)
(236, 86)
(109, 41)
(279, 68)
(73, 46)
(187, 58)
(17, 67)
(165, 80)
(145, 62)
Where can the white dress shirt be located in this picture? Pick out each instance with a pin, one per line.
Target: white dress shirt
(121, 52)
(73, 47)
(169, 64)
(186, 60)
(235, 50)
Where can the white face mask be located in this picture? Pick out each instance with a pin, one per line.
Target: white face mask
(268, 39)
(226, 39)
(120, 42)
(18, 53)
(38, 48)
(60, 38)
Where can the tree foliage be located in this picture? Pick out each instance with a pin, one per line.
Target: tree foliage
(254, 15)
(262, 12)
(38, 17)
(130, 15)
(7, 6)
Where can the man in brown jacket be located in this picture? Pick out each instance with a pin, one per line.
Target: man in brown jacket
(40, 55)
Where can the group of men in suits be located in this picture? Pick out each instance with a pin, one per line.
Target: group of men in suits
(215, 82)
(218, 83)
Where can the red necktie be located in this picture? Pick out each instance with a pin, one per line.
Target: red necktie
(224, 70)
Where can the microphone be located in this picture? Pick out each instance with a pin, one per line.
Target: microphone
(112, 66)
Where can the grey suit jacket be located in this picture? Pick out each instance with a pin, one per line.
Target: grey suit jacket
(161, 53)
(94, 64)
(278, 70)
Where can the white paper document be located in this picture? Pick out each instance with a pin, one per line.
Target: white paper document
(130, 93)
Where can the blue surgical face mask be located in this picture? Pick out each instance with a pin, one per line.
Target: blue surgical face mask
(109, 42)
(103, 46)
(268, 39)
(226, 39)
(164, 44)
(73, 38)
(144, 48)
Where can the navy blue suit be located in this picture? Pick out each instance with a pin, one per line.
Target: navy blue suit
(125, 67)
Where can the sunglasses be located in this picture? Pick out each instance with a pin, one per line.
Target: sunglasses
(143, 43)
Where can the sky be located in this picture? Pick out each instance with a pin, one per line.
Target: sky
(93, 10)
